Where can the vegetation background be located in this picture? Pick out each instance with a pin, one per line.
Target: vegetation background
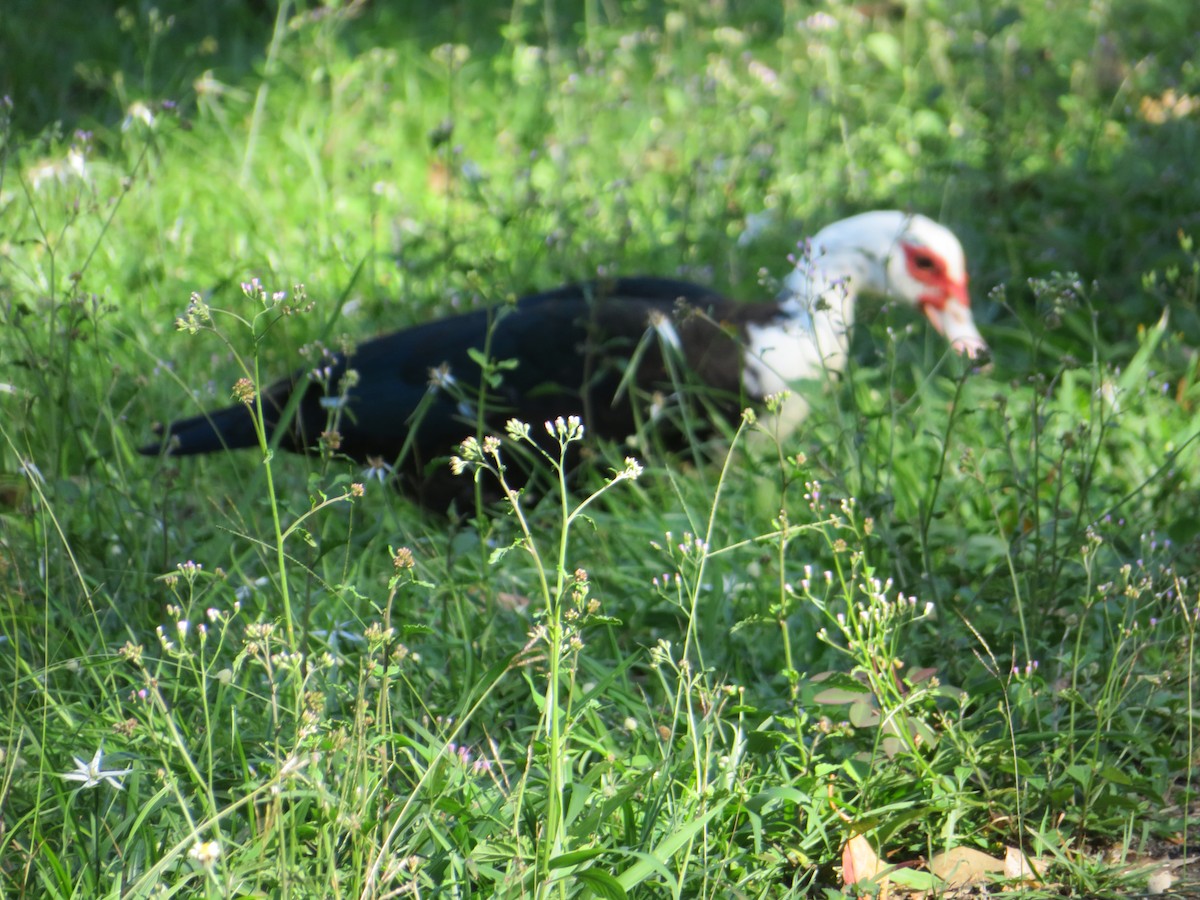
(958, 610)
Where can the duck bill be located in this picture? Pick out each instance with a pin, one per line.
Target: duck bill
(953, 320)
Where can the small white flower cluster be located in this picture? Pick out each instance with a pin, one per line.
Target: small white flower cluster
(473, 452)
(517, 430)
(183, 627)
(206, 853)
(777, 401)
(692, 550)
(476, 455)
(689, 544)
(806, 581)
(867, 621)
(466, 758)
(569, 430)
(1029, 668)
(632, 471)
(196, 316)
(812, 493)
(660, 654)
(469, 455)
(254, 290)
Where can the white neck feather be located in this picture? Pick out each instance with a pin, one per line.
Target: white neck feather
(811, 337)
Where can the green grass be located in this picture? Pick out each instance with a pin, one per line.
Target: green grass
(700, 682)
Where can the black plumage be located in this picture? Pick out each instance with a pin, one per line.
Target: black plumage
(418, 391)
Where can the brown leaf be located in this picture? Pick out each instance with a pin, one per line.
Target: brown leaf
(512, 602)
(438, 177)
(860, 862)
(1017, 865)
(1160, 882)
(965, 865)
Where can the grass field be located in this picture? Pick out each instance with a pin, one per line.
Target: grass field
(957, 612)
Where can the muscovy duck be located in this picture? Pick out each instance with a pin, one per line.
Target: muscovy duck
(588, 349)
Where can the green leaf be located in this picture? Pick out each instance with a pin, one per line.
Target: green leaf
(1080, 773)
(836, 688)
(491, 365)
(914, 879)
(575, 857)
(836, 696)
(863, 715)
(857, 769)
(602, 620)
(656, 860)
(1135, 374)
(500, 552)
(763, 741)
(495, 851)
(756, 619)
(602, 883)
(1014, 766)
(773, 797)
(885, 48)
(1116, 776)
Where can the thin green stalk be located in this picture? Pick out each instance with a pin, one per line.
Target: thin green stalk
(260, 96)
(927, 504)
(273, 500)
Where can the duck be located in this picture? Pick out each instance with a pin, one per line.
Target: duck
(619, 353)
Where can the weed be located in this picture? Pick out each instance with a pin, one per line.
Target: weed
(958, 610)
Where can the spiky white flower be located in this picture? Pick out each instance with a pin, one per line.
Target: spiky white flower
(90, 774)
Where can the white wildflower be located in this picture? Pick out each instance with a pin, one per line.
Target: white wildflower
(90, 774)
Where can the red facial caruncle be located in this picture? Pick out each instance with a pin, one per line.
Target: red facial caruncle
(946, 303)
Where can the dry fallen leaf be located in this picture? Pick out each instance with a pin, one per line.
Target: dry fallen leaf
(1017, 865)
(964, 865)
(1160, 882)
(512, 602)
(1160, 874)
(861, 863)
(438, 177)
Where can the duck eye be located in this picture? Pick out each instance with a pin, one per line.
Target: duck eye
(924, 263)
